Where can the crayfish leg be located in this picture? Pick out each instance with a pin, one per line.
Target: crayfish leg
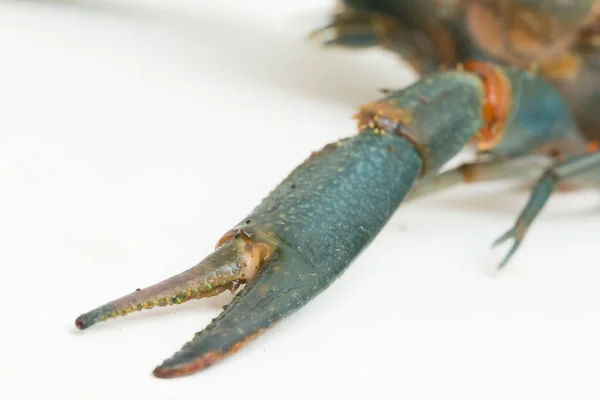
(357, 28)
(485, 171)
(349, 29)
(576, 167)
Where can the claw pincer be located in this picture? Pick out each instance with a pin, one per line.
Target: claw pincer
(311, 227)
(308, 230)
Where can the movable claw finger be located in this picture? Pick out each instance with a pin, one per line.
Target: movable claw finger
(237, 259)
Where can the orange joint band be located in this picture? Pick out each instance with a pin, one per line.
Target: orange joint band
(497, 104)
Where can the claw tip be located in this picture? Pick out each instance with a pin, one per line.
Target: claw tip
(79, 323)
(179, 370)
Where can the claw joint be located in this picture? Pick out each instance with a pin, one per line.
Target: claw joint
(254, 247)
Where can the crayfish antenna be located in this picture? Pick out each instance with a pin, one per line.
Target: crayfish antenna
(237, 259)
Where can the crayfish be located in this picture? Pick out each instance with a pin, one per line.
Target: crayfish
(516, 80)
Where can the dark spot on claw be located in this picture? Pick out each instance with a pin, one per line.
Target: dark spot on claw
(293, 186)
(138, 289)
(248, 222)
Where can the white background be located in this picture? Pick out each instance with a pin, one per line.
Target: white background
(134, 133)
